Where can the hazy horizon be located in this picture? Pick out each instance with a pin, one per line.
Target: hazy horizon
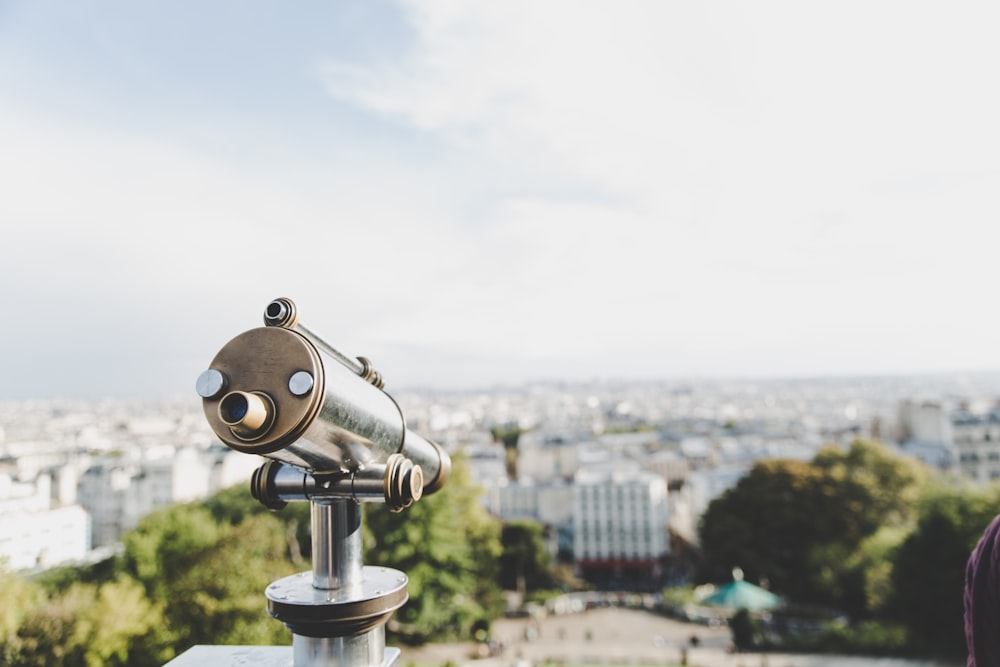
(979, 384)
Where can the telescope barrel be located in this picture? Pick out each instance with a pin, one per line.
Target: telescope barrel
(281, 392)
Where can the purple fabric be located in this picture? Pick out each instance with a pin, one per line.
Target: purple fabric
(982, 600)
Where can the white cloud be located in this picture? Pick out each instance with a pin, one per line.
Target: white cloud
(634, 187)
(794, 102)
(744, 155)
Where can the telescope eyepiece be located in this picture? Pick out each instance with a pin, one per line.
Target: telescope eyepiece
(247, 414)
(234, 408)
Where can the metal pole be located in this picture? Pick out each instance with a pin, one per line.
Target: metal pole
(336, 545)
(338, 574)
(337, 567)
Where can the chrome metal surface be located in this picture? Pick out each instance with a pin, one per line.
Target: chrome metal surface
(403, 484)
(337, 612)
(368, 650)
(382, 590)
(398, 483)
(301, 383)
(432, 459)
(210, 384)
(336, 545)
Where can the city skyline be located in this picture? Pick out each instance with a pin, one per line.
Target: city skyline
(498, 193)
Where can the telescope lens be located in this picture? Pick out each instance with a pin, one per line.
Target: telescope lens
(233, 408)
(248, 415)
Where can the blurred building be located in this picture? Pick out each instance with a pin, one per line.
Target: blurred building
(976, 442)
(966, 437)
(620, 525)
(925, 433)
(34, 531)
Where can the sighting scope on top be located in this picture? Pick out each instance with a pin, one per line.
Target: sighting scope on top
(321, 417)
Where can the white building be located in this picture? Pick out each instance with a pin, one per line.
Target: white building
(555, 503)
(669, 465)
(924, 421)
(548, 503)
(512, 500)
(104, 492)
(34, 533)
(925, 433)
(619, 522)
(548, 460)
(967, 437)
(976, 439)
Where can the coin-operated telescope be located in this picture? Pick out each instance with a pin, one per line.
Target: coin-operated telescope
(334, 438)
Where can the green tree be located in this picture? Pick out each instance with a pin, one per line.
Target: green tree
(870, 567)
(168, 543)
(58, 579)
(800, 524)
(210, 577)
(220, 598)
(768, 524)
(21, 597)
(875, 489)
(45, 637)
(525, 564)
(232, 506)
(92, 626)
(928, 576)
(196, 573)
(449, 547)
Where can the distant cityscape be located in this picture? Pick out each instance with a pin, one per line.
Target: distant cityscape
(617, 473)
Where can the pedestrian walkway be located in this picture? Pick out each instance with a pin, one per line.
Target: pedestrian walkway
(615, 636)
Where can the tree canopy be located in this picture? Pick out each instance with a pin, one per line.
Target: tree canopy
(928, 578)
(865, 531)
(525, 563)
(449, 548)
(795, 524)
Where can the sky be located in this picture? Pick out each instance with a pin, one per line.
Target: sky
(483, 193)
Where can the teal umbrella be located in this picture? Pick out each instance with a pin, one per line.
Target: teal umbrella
(741, 594)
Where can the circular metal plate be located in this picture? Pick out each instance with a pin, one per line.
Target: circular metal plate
(320, 612)
(263, 360)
